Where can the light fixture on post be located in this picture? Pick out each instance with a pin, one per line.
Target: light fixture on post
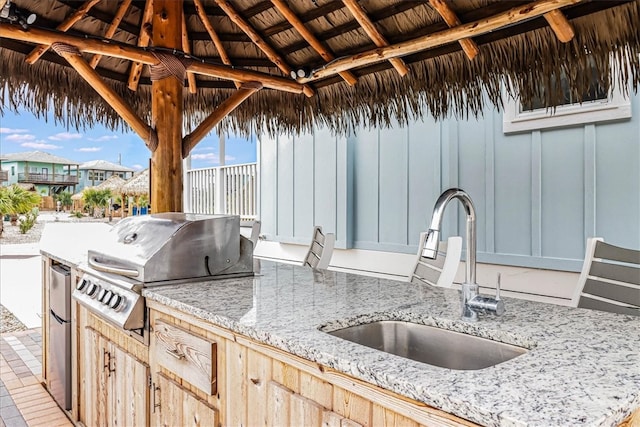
(300, 72)
(12, 14)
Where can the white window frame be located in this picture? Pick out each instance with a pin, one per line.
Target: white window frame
(617, 106)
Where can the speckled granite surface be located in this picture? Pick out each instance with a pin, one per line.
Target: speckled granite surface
(583, 367)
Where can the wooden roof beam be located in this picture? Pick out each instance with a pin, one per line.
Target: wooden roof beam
(310, 38)
(361, 16)
(452, 20)
(38, 51)
(111, 30)
(191, 77)
(259, 41)
(132, 53)
(83, 68)
(512, 16)
(560, 25)
(202, 14)
(143, 41)
(223, 110)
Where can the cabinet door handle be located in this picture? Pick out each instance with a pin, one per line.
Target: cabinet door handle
(176, 353)
(153, 396)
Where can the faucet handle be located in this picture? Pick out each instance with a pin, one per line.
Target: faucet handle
(498, 288)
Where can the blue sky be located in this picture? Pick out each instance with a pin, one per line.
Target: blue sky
(24, 132)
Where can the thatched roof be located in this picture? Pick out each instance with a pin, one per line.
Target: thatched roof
(78, 196)
(113, 183)
(441, 80)
(136, 186)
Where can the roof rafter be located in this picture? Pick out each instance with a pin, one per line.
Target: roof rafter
(144, 37)
(510, 17)
(122, 9)
(37, 52)
(452, 20)
(259, 41)
(560, 25)
(191, 77)
(361, 16)
(133, 53)
(310, 38)
(202, 14)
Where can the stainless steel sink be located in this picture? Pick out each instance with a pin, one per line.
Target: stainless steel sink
(431, 345)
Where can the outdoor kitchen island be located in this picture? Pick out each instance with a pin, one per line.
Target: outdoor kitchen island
(273, 361)
(249, 351)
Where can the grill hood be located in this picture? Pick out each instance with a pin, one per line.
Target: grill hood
(174, 246)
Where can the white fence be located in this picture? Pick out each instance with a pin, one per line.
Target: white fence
(224, 190)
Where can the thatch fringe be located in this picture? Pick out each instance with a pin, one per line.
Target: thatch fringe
(442, 86)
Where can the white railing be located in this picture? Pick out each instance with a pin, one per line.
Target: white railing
(224, 190)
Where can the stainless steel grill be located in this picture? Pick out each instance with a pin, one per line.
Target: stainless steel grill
(155, 250)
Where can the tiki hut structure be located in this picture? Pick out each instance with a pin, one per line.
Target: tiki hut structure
(134, 191)
(113, 184)
(77, 198)
(258, 66)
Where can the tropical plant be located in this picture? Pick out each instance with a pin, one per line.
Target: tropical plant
(65, 199)
(96, 198)
(15, 201)
(27, 221)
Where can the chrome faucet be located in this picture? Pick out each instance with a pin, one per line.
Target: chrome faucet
(472, 302)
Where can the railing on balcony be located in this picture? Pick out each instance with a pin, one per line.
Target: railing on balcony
(4, 176)
(224, 190)
(47, 178)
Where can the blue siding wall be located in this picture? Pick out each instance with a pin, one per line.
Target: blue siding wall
(538, 195)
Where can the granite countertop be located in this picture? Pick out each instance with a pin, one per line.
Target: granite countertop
(582, 367)
(69, 242)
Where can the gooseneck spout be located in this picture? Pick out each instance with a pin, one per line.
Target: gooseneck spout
(430, 249)
(472, 302)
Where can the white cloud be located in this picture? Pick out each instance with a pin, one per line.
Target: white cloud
(65, 136)
(88, 149)
(138, 167)
(40, 146)
(210, 157)
(103, 138)
(15, 137)
(9, 130)
(205, 148)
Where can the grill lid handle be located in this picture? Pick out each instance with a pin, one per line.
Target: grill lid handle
(95, 263)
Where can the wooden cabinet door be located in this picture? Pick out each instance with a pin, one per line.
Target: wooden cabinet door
(128, 389)
(174, 405)
(93, 400)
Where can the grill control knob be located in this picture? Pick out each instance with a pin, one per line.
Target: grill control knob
(92, 290)
(107, 297)
(102, 294)
(82, 285)
(117, 302)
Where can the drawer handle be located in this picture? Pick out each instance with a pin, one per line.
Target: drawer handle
(177, 354)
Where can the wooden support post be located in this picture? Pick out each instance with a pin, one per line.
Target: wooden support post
(452, 20)
(560, 25)
(113, 99)
(310, 38)
(361, 16)
(227, 106)
(166, 111)
(64, 26)
(471, 29)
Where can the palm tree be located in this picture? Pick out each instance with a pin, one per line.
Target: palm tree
(15, 201)
(94, 198)
(65, 199)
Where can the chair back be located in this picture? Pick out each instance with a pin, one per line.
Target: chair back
(610, 279)
(442, 270)
(320, 249)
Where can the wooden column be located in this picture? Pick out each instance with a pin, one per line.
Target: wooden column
(166, 111)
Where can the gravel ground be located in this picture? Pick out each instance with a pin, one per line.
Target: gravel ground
(11, 236)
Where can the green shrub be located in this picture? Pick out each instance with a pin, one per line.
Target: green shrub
(77, 214)
(27, 222)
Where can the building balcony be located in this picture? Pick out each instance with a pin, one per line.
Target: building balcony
(4, 176)
(47, 178)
